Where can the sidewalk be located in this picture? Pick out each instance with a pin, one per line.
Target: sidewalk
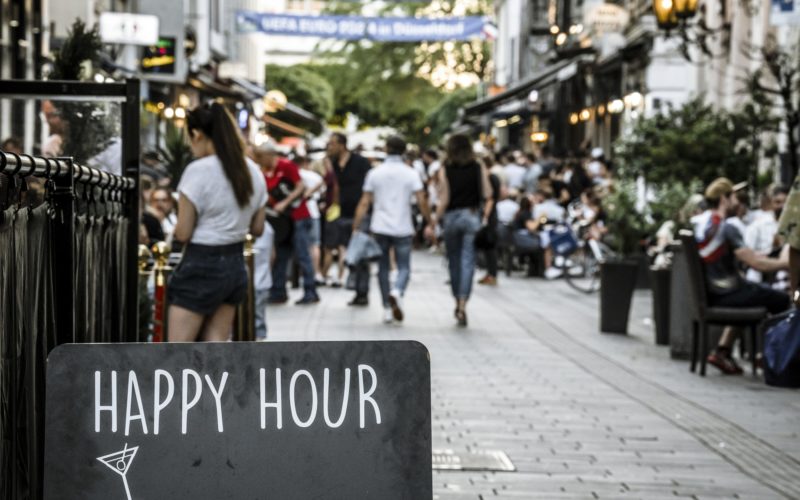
(580, 414)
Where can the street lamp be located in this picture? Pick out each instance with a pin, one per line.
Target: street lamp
(666, 15)
(685, 9)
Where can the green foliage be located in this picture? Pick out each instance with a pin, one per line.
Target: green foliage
(626, 226)
(690, 142)
(80, 45)
(670, 201)
(302, 87)
(446, 112)
(89, 127)
(402, 103)
(175, 153)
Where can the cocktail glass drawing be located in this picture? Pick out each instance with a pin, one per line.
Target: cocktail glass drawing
(120, 462)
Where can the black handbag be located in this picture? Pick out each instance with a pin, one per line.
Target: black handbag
(486, 237)
(283, 226)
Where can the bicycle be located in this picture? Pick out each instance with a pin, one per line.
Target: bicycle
(578, 257)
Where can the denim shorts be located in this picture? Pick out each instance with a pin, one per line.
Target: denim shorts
(314, 235)
(208, 277)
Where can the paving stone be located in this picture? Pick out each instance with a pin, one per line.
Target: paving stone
(579, 413)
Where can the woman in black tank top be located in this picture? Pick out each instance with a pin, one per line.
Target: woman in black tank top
(465, 204)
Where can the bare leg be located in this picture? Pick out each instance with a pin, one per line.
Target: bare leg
(327, 261)
(184, 325)
(315, 259)
(219, 325)
(728, 337)
(340, 262)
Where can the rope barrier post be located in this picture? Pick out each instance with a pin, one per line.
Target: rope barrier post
(245, 323)
(146, 311)
(62, 251)
(161, 270)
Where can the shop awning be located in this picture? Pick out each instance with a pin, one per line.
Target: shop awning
(286, 127)
(558, 71)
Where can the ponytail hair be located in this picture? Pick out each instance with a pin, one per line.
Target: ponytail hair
(216, 123)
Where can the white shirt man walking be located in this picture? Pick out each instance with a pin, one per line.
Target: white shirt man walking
(390, 188)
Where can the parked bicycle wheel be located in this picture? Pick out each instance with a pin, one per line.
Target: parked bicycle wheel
(582, 268)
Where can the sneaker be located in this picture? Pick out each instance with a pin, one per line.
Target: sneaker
(552, 273)
(488, 280)
(277, 300)
(359, 301)
(396, 302)
(335, 283)
(726, 364)
(388, 316)
(319, 280)
(311, 299)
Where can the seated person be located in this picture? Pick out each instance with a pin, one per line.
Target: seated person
(721, 247)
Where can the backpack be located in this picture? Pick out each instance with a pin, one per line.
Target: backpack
(782, 351)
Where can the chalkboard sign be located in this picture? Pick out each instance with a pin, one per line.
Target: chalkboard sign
(282, 420)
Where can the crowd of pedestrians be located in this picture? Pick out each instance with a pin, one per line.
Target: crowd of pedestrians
(327, 218)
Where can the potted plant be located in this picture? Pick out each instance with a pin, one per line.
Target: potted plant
(626, 227)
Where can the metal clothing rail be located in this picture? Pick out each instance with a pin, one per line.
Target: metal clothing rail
(25, 165)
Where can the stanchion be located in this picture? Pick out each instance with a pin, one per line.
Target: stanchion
(245, 323)
(162, 269)
(145, 303)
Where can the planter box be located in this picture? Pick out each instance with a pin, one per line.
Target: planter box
(660, 279)
(617, 282)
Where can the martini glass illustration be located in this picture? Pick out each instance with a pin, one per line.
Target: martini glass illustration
(120, 462)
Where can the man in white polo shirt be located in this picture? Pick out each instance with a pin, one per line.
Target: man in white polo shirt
(389, 188)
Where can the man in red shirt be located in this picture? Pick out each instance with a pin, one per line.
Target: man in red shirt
(286, 191)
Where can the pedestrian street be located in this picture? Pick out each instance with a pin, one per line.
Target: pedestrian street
(579, 414)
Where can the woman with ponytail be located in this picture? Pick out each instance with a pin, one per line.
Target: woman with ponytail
(222, 197)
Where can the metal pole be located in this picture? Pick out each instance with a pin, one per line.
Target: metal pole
(130, 158)
(245, 322)
(162, 270)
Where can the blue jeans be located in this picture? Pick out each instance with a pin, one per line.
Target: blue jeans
(261, 313)
(283, 253)
(460, 227)
(402, 253)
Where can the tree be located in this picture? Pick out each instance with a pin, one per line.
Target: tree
(302, 87)
(693, 141)
(445, 113)
(779, 78)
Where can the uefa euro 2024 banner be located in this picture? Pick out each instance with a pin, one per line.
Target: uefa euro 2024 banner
(381, 29)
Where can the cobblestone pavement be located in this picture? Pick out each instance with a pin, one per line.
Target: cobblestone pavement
(580, 414)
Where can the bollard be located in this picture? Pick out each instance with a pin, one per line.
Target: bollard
(162, 269)
(145, 303)
(245, 322)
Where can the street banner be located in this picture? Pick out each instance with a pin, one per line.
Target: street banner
(379, 29)
(283, 420)
(785, 13)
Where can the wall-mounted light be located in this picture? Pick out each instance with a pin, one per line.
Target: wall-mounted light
(585, 115)
(514, 119)
(501, 123)
(554, 29)
(616, 106)
(634, 99)
(169, 113)
(601, 110)
(539, 137)
(533, 96)
(561, 39)
(180, 113)
(573, 118)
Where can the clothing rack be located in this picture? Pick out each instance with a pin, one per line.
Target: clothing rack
(24, 165)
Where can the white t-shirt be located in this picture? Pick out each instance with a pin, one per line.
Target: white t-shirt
(311, 180)
(506, 210)
(220, 220)
(549, 209)
(392, 184)
(515, 176)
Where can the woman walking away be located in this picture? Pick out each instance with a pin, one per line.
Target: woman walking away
(222, 198)
(465, 204)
